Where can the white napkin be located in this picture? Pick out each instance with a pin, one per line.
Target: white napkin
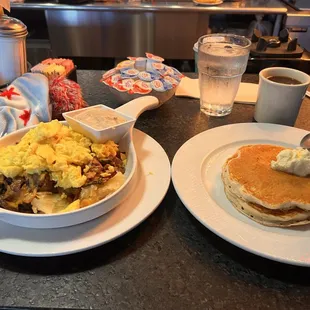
(247, 92)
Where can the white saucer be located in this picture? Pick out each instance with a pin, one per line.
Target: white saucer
(202, 190)
(152, 182)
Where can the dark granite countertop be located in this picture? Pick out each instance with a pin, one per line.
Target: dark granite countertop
(170, 261)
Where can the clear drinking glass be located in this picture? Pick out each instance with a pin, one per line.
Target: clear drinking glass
(222, 60)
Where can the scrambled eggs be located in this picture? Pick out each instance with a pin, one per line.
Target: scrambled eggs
(54, 169)
(55, 148)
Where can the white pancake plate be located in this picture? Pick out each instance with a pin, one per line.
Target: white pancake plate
(196, 175)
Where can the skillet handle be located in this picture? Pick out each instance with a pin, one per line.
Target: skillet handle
(136, 107)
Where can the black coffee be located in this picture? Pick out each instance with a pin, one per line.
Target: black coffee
(284, 80)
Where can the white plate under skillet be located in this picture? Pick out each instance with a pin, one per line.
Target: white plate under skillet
(152, 182)
(196, 175)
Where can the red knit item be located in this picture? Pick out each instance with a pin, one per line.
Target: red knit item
(65, 96)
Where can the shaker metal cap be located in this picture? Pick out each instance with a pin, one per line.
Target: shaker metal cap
(12, 27)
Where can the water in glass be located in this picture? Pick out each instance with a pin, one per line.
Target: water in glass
(220, 70)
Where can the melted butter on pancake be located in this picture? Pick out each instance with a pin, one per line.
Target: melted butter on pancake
(293, 161)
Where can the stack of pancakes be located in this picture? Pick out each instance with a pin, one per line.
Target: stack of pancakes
(267, 196)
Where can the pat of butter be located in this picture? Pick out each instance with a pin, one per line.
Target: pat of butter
(293, 161)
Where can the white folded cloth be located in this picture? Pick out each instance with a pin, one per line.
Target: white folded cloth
(24, 103)
(247, 92)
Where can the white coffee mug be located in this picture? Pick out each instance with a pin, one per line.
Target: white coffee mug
(279, 103)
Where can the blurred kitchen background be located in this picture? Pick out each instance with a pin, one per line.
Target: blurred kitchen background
(97, 34)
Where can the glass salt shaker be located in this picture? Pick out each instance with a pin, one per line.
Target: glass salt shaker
(13, 59)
